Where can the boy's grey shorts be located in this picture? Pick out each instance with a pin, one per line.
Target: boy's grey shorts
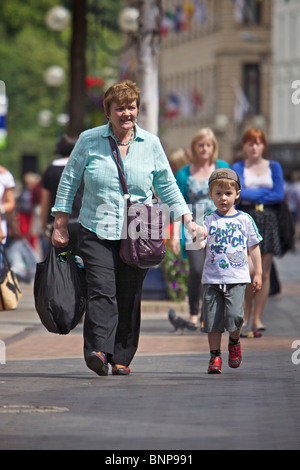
(223, 307)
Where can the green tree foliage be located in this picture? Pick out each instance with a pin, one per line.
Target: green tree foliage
(27, 49)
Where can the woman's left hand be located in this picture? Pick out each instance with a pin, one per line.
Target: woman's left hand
(60, 237)
(198, 233)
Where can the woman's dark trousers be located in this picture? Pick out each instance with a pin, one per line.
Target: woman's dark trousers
(112, 319)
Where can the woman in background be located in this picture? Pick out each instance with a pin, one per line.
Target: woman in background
(192, 180)
(7, 200)
(262, 189)
(50, 182)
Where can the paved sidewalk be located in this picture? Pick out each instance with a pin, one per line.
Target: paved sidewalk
(50, 400)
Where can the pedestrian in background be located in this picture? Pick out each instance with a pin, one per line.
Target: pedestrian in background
(231, 235)
(7, 200)
(262, 189)
(192, 180)
(177, 160)
(292, 196)
(50, 181)
(26, 204)
(112, 320)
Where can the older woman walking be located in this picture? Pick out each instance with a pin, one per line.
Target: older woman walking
(112, 320)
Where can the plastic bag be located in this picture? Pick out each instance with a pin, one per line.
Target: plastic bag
(10, 292)
(22, 259)
(59, 292)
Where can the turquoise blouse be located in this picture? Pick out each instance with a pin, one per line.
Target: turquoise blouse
(103, 205)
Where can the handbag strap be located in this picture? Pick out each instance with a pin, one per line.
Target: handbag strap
(120, 170)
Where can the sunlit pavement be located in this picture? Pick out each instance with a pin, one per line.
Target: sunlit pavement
(169, 402)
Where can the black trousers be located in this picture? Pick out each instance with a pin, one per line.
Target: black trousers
(196, 263)
(113, 315)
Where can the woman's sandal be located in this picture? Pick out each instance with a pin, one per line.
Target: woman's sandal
(252, 334)
(118, 369)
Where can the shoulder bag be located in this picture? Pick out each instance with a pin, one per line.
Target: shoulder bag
(142, 244)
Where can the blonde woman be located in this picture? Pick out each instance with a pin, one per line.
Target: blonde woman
(193, 183)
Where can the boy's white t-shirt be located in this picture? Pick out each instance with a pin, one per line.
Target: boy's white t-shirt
(228, 239)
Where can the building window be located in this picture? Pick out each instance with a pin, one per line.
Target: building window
(252, 87)
(252, 12)
(247, 12)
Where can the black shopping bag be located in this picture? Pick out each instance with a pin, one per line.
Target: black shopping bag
(59, 292)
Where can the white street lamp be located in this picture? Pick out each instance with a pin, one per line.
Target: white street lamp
(57, 18)
(128, 20)
(62, 119)
(54, 76)
(45, 117)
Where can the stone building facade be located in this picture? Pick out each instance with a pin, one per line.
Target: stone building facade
(215, 70)
(285, 85)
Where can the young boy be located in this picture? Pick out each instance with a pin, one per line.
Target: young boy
(231, 236)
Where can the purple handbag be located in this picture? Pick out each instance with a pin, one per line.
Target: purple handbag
(142, 242)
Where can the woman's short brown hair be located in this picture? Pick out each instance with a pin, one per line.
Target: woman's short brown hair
(201, 134)
(255, 135)
(121, 92)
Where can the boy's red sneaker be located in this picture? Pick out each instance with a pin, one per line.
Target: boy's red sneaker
(215, 365)
(235, 355)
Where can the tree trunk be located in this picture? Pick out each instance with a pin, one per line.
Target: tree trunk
(148, 62)
(77, 103)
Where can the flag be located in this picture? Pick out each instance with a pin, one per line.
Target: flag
(239, 10)
(189, 9)
(242, 104)
(172, 106)
(180, 19)
(166, 24)
(200, 11)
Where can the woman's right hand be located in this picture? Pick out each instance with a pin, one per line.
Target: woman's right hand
(175, 245)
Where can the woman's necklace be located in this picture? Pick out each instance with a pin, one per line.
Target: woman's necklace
(126, 143)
